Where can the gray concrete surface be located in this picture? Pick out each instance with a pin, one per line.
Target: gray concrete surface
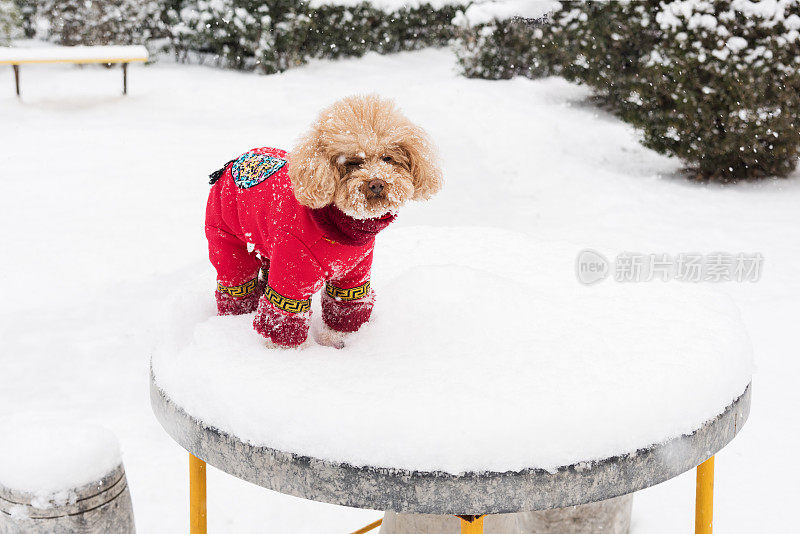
(381, 488)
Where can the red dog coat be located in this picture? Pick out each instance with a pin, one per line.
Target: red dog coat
(253, 221)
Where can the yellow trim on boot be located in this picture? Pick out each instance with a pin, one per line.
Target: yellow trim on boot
(239, 291)
(354, 293)
(285, 303)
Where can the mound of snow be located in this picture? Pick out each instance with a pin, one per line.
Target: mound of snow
(483, 353)
(47, 459)
(386, 5)
(486, 11)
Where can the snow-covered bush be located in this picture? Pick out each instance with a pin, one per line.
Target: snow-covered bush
(338, 31)
(604, 44)
(99, 22)
(715, 82)
(265, 35)
(28, 10)
(723, 89)
(503, 49)
(273, 35)
(583, 40)
(238, 33)
(342, 28)
(415, 26)
(10, 22)
(499, 40)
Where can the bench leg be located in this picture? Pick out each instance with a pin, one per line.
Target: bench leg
(197, 495)
(704, 499)
(16, 77)
(124, 78)
(472, 527)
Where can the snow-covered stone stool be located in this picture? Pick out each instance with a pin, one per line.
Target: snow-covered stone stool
(58, 478)
(488, 381)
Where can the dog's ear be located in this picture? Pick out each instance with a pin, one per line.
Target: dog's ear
(423, 162)
(312, 173)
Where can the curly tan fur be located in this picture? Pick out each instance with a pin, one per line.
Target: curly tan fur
(354, 142)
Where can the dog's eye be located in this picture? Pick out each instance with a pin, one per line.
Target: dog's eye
(387, 159)
(352, 163)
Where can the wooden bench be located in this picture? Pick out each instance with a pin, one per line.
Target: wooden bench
(74, 54)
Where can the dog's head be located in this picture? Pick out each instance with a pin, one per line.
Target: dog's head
(365, 157)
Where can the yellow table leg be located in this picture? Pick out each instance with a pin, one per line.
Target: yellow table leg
(371, 526)
(704, 500)
(474, 527)
(197, 495)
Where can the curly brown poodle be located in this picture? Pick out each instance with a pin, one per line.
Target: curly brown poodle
(364, 156)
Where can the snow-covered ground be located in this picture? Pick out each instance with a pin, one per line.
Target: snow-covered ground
(102, 207)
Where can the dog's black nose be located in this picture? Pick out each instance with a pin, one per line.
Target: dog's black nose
(376, 186)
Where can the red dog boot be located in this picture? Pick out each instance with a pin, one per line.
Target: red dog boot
(238, 300)
(282, 327)
(345, 310)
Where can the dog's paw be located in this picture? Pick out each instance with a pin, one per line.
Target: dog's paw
(331, 338)
(272, 345)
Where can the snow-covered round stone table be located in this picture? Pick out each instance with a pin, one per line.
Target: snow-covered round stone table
(488, 381)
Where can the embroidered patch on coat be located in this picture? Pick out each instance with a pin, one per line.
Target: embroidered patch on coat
(252, 169)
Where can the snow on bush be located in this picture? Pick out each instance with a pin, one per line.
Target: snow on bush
(265, 35)
(238, 33)
(500, 40)
(586, 41)
(99, 22)
(724, 94)
(274, 35)
(713, 82)
(487, 11)
(27, 11)
(10, 22)
(384, 27)
(387, 5)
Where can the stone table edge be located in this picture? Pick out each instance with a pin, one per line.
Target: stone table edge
(434, 492)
